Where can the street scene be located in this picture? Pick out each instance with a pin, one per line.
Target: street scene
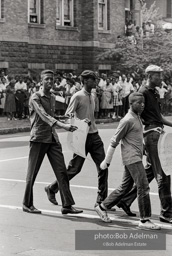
(52, 233)
(85, 127)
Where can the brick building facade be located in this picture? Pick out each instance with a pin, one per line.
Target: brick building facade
(59, 34)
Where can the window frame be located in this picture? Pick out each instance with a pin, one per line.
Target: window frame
(105, 21)
(0, 9)
(37, 14)
(61, 20)
(169, 9)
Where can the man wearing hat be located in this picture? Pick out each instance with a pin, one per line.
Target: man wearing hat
(82, 105)
(44, 140)
(154, 122)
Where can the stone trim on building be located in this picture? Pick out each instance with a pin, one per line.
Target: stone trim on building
(36, 65)
(4, 64)
(104, 67)
(63, 66)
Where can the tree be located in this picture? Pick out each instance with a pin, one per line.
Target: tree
(130, 57)
(151, 13)
(127, 56)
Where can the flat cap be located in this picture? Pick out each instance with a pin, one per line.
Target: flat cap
(47, 72)
(89, 73)
(153, 68)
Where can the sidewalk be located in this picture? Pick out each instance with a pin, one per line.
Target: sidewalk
(15, 126)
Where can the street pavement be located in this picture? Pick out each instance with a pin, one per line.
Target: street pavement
(51, 233)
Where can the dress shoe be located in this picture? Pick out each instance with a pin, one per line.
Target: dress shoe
(51, 195)
(165, 219)
(71, 210)
(126, 209)
(31, 209)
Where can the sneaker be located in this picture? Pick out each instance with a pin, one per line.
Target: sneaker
(148, 225)
(103, 214)
(165, 219)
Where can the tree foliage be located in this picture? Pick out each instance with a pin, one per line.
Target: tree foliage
(153, 50)
(156, 49)
(151, 13)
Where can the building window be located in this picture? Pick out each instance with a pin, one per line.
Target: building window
(128, 10)
(36, 11)
(169, 5)
(1, 9)
(64, 13)
(102, 14)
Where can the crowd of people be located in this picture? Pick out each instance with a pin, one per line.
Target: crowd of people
(144, 108)
(135, 32)
(110, 95)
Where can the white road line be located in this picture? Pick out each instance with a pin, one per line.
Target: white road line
(89, 216)
(13, 159)
(75, 186)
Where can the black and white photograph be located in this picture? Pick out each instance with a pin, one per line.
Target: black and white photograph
(85, 127)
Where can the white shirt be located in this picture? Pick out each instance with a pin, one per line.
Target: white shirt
(102, 83)
(161, 91)
(127, 88)
(20, 86)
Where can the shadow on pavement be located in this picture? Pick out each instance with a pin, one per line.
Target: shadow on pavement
(115, 223)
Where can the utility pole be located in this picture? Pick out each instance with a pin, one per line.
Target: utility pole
(141, 21)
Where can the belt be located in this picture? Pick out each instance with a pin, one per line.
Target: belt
(153, 125)
(94, 133)
(156, 129)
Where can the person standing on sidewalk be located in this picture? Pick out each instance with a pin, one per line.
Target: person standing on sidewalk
(44, 140)
(82, 105)
(20, 88)
(154, 121)
(130, 132)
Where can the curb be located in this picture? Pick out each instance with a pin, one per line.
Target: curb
(14, 130)
(27, 128)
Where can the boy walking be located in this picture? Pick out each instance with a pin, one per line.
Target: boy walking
(130, 132)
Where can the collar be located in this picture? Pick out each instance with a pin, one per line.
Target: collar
(154, 90)
(133, 114)
(87, 93)
(44, 95)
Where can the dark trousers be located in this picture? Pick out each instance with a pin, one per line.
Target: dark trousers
(56, 158)
(125, 105)
(133, 173)
(20, 103)
(94, 146)
(155, 171)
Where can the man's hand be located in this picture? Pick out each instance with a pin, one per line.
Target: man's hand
(70, 115)
(88, 121)
(69, 127)
(104, 165)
